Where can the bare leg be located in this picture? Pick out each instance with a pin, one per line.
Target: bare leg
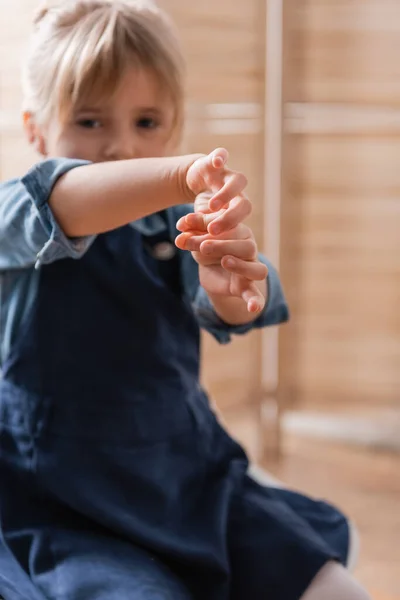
(263, 477)
(334, 582)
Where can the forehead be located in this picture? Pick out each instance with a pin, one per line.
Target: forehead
(137, 87)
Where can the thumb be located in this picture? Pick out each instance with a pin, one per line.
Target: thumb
(197, 221)
(219, 158)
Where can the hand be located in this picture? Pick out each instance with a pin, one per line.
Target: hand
(209, 174)
(226, 251)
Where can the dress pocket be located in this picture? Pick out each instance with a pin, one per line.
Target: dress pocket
(23, 416)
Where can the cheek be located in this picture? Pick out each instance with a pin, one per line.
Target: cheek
(172, 147)
(148, 148)
(164, 145)
(79, 146)
(66, 148)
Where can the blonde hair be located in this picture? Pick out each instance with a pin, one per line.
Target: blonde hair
(80, 49)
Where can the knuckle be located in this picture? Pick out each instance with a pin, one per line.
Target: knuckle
(244, 205)
(229, 222)
(243, 179)
(248, 206)
(252, 248)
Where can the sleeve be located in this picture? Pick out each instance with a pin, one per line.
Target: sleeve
(29, 233)
(276, 310)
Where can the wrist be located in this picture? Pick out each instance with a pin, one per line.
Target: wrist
(186, 194)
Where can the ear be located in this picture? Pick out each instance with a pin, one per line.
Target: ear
(33, 133)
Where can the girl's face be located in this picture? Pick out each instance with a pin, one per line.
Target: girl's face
(136, 122)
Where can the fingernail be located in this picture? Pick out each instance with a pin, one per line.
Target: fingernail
(218, 162)
(206, 249)
(230, 262)
(257, 307)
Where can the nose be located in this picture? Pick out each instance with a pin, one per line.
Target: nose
(122, 145)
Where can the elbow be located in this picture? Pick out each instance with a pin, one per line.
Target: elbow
(66, 213)
(71, 225)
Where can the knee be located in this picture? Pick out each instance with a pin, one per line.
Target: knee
(334, 582)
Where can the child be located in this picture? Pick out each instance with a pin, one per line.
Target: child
(117, 481)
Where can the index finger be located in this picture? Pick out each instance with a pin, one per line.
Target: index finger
(238, 210)
(233, 186)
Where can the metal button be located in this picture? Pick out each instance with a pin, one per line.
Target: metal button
(164, 251)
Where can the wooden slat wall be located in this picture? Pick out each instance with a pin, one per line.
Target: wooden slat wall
(224, 45)
(223, 42)
(341, 211)
(344, 51)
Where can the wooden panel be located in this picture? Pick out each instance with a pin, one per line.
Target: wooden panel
(16, 156)
(341, 218)
(342, 267)
(344, 51)
(14, 34)
(224, 45)
(244, 422)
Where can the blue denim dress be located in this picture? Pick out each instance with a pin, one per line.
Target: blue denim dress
(117, 480)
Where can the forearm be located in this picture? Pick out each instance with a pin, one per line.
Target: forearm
(233, 311)
(99, 197)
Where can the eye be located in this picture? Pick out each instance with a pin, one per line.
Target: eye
(147, 123)
(89, 123)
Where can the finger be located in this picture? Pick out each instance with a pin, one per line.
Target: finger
(239, 209)
(213, 163)
(191, 222)
(254, 298)
(233, 186)
(219, 158)
(191, 240)
(242, 249)
(188, 241)
(253, 270)
(197, 221)
(202, 201)
(208, 172)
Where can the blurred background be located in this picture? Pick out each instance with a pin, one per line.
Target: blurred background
(305, 94)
